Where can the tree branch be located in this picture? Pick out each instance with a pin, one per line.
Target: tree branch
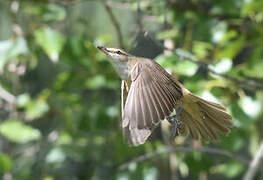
(184, 149)
(254, 164)
(246, 83)
(115, 24)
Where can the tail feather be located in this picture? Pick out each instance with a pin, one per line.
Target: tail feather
(209, 102)
(189, 124)
(204, 118)
(215, 114)
(183, 129)
(215, 123)
(197, 128)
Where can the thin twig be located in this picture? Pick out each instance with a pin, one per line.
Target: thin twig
(184, 149)
(246, 83)
(254, 164)
(115, 24)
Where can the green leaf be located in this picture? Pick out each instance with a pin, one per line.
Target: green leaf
(34, 108)
(18, 132)
(252, 7)
(201, 49)
(96, 82)
(223, 66)
(54, 12)
(51, 41)
(5, 163)
(23, 100)
(10, 49)
(181, 67)
(165, 61)
(56, 155)
(48, 12)
(231, 170)
(231, 49)
(19, 46)
(254, 70)
(252, 107)
(185, 68)
(150, 173)
(167, 34)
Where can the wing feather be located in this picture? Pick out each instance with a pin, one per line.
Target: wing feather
(157, 105)
(146, 106)
(152, 97)
(152, 107)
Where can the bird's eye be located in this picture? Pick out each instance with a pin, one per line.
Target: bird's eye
(118, 52)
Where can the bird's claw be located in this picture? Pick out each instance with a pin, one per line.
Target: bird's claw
(175, 122)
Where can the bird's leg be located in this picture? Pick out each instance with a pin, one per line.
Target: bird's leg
(174, 122)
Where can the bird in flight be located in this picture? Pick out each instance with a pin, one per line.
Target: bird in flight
(150, 94)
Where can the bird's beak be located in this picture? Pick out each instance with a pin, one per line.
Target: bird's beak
(103, 49)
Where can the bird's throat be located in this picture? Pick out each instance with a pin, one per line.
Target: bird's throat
(122, 69)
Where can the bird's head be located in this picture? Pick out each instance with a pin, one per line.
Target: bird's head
(115, 54)
(119, 60)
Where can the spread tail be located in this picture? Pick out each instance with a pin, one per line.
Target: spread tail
(203, 119)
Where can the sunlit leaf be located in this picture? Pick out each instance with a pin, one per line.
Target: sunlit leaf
(56, 155)
(252, 6)
(48, 178)
(201, 49)
(64, 138)
(166, 62)
(23, 99)
(150, 173)
(223, 66)
(251, 106)
(18, 132)
(184, 170)
(231, 170)
(231, 49)
(51, 41)
(218, 31)
(209, 96)
(11, 49)
(34, 108)
(185, 68)
(240, 117)
(18, 47)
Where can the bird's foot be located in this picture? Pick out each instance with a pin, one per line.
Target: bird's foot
(175, 122)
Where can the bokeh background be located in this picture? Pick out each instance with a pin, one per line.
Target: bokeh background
(60, 97)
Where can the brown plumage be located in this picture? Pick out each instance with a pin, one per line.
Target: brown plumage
(150, 94)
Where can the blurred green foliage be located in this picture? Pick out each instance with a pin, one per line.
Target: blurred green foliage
(60, 97)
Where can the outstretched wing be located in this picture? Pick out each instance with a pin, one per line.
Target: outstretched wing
(152, 96)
